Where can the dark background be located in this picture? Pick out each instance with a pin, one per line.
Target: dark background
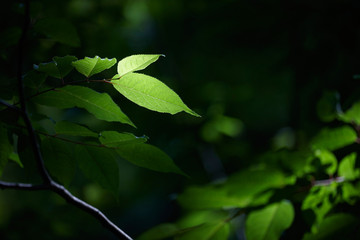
(255, 71)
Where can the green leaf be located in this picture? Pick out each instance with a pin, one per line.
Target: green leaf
(148, 156)
(58, 158)
(58, 68)
(269, 223)
(150, 93)
(207, 231)
(34, 79)
(337, 226)
(116, 139)
(332, 139)
(352, 115)
(347, 167)
(99, 104)
(328, 160)
(73, 129)
(350, 192)
(58, 29)
(162, 231)
(5, 148)
(135, 63)
(99, 165)
(90, 66)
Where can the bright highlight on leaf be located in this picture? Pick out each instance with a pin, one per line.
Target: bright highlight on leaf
(99, 104)
(150, 93)
(135, 63)
(90, 66)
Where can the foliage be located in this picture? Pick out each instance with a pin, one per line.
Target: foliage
(275, 155)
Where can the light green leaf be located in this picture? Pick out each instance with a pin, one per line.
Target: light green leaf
(328, 160)
(350, 192)
(116, 139)
(347, 167)
(337, 226)
(269, 223)
(73, 129)
(332, 139)
(58, 158)
(135, 63)
(58, 29)
(150, 93)
(352, 115)
(99, 165)
(148, 156)
(99, 104)
(90, 66)
(58, 68)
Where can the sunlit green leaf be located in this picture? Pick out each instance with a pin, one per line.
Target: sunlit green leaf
(90, 66)
(135, 63)
(58, 158)
(73, 129)
(58, 68)
(332, 139)
(99, 165)
(150, 93)
(352, 115)
(347, 168)
(99, 104)
(116, 139)
(58, 29)
(350, 192)
(328, 160)
(337, 226)
(148, 156)
(270, 222)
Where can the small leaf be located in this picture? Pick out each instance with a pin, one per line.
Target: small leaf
(332, 139)
(58, 68)
(148, 156)
(116, 139)
(352, 114)
(73, 129)
(58, 158)
(58, 29)
(99, 104)
(350, 192)
(90, 66)
(328, 160)
(270, 222)
(347, 167)
(99, 165)
(135, 63)
(150, 93)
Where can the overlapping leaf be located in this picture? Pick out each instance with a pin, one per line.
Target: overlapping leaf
(150, 93)
(332, 139)
(135, 63)
(73, 129)
(99, 104)
(58, 68)
(90, 66)
(115, 139)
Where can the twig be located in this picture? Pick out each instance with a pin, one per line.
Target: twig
(22, 186)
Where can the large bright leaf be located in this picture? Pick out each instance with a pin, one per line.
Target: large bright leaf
(135, 63)
(150, 93)
(59, 160)
(99, 165)
(115, 139)
(99, 104)
(352, 115)
(332, 139)
(90, 66)
(347, 168)
(58, 29)
(148, 156)
(270, 222)
(73, 129)
(58, 68)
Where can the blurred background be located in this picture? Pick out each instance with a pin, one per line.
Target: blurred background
(263, 75)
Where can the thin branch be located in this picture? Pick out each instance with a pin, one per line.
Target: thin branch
(22, 186)
(327, 182)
